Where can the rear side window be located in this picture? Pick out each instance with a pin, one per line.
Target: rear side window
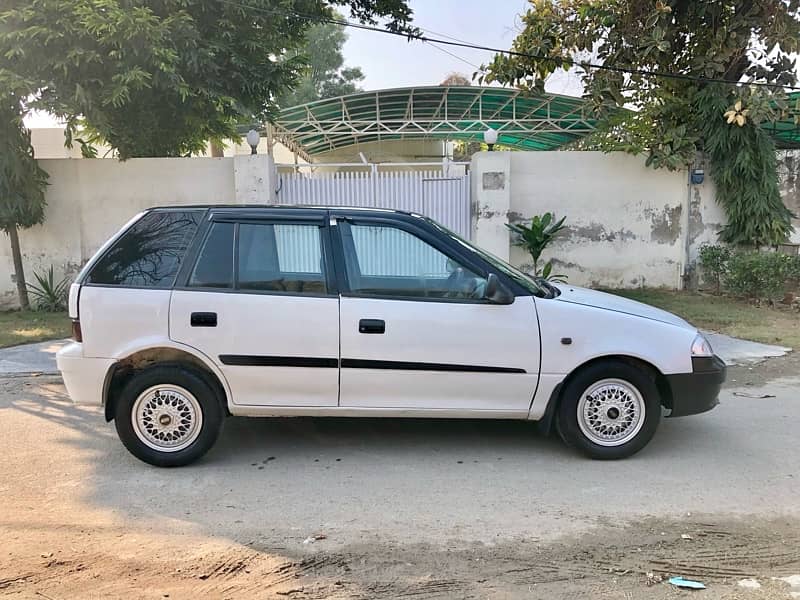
(214, 266)
(149, 254)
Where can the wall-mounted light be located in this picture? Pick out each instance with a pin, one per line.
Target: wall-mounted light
(698, 175)
(253, 137)
(490, 137)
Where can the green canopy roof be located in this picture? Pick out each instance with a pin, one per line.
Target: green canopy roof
(786, 132)
(523, 120)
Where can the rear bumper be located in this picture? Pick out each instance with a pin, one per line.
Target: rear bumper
(697, 392)
(84, 378)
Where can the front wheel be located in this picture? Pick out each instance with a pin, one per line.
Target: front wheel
(168, 416)
(609, 410)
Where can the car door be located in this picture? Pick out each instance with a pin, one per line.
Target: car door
(259, 302)
(416, 332)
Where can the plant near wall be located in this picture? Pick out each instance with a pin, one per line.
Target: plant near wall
(713, 259)
(22, 184)
(735, 41)
(535, 239)
(48, 294)
(751, 273)
(755, 274)
(743, 164)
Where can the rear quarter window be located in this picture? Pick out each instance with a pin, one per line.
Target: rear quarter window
(149, 254)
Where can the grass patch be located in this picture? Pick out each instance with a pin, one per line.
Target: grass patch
(730, 316)
(25, 327)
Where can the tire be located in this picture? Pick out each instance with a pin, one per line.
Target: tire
(609, 410)
(168, 415)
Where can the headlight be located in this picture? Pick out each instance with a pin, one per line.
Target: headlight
(701, 346)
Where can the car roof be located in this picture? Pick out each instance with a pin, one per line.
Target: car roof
(305, 208)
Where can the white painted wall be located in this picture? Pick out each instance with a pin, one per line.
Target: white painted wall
(627, 223)
(89, 200)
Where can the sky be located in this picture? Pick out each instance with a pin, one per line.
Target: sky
(389, 61)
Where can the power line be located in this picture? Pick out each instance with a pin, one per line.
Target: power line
(454, 55)
(453, 42)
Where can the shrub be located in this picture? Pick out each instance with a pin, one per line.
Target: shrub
(758, 274)
(536, 238)
(714, 264)
(49, 295)
(793, 273)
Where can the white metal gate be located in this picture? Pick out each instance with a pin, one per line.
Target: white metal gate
(442, 194)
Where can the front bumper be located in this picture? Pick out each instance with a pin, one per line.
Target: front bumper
(697, 392)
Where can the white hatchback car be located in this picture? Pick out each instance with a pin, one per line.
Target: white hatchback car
(190, 314)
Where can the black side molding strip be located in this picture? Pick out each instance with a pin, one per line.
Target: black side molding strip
(243, 360)
(357, 363)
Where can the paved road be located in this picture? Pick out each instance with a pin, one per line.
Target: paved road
(432, 481)
(388, 484)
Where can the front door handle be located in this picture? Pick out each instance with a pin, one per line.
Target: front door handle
(203, 319)
(371, 326)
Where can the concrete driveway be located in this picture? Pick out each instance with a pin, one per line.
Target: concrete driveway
(398, 508)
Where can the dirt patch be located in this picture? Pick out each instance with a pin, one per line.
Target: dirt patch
(764, 372)
(611, 562)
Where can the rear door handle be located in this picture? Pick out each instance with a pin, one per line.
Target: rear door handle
(203, 319)
(371, 326)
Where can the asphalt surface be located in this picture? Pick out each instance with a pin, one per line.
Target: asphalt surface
(423, 480)
(402, 508)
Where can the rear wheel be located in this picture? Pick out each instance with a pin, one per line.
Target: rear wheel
(168, 416)
(609, 410)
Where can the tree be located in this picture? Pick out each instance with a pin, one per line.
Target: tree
(735, 42)
(162, 77)
(325, 75)
(22, 184)
(455, 78)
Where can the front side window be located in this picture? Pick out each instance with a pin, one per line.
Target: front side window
(149, 254)
(387, 261)
(281, 258)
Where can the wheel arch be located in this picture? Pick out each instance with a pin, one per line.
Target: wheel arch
(135, 360)
(545, 424)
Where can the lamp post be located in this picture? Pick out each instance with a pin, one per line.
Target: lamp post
(253, 137)
(490, 137)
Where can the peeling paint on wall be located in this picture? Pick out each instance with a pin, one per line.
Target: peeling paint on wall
(627, 224)
(565, 264)
(665, 225)
(597, 232)
(486, 212)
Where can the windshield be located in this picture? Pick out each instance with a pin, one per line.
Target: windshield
(536, 285)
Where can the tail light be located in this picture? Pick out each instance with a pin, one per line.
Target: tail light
(77, 334)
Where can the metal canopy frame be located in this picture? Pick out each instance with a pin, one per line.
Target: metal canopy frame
(523, 120)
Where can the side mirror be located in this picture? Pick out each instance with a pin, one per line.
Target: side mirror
(496, 292)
